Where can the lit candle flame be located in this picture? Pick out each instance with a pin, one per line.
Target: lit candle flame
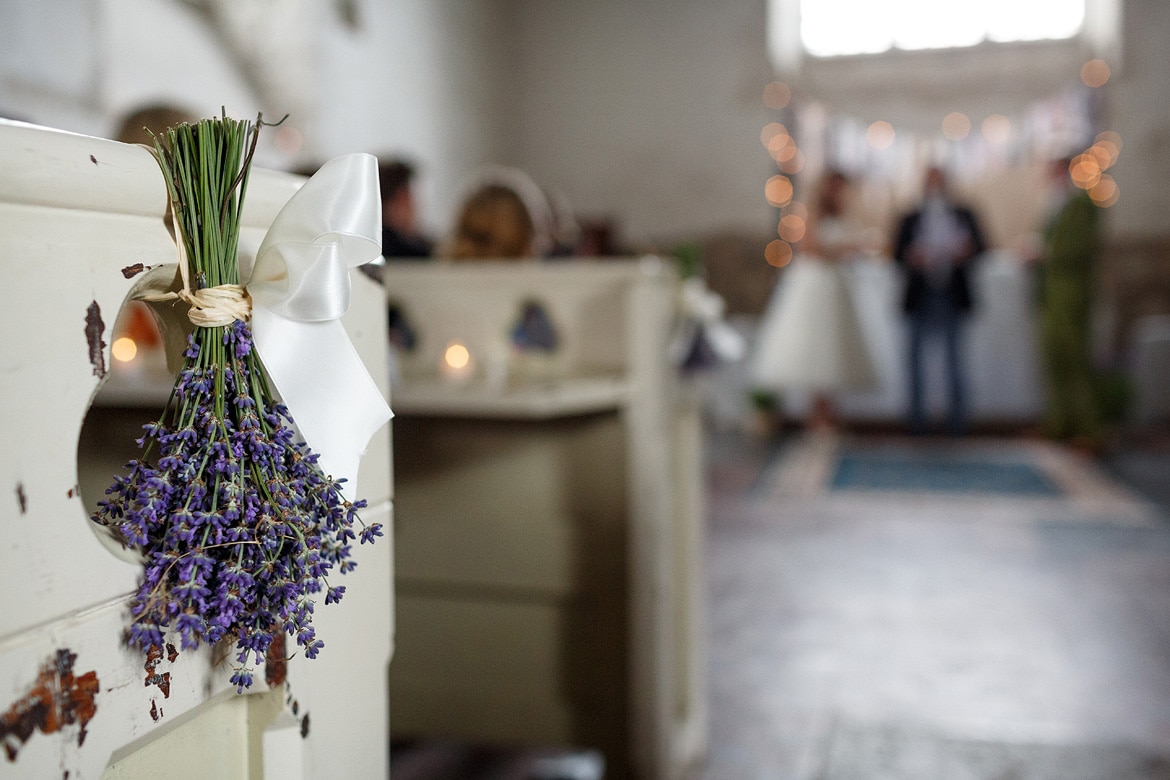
(124, 349)
(457, 355)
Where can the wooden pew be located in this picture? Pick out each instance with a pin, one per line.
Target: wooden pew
(77, 215)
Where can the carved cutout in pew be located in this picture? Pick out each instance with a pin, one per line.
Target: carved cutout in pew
(74, 213)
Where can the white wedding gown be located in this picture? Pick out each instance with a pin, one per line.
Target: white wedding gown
(810, 336)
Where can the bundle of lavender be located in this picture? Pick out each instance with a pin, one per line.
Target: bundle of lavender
(237, 524)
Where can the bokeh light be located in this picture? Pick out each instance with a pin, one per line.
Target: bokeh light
(1101, 155)
(771, 131)
(794, 164)
(791, 228)
(778, 253)
(1105, 152)
(1110, 137)
(288, 140)
(124, 349)
(996, 128)
(778, 190)
(956, 126)
(1095, 73)
(1104, 192)
(786, 152)
(777, 95)
(1085, 170)
(456, 355)
(880, 134)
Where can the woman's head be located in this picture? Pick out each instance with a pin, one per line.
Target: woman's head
(834, 188)
(494, 223)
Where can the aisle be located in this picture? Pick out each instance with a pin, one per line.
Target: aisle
(882, 608)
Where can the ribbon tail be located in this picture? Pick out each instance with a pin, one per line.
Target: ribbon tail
(335, 404)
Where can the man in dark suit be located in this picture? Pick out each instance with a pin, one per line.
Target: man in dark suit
(400, 234)
(935, 246)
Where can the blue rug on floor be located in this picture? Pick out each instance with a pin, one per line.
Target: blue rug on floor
(939, 473)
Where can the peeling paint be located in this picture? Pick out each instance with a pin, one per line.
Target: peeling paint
(94, 327)
(305, 726)
(153, 677)
(73, 492)
(131, 271)
(58, 698)
(155, 711)
(275, 663)
(21, 498)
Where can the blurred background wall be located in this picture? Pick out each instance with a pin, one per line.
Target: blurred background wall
(645, 114)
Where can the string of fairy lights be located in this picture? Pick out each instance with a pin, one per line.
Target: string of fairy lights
(779, 189)
(1087, 169)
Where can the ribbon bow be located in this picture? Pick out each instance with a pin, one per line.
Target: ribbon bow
(299, 289)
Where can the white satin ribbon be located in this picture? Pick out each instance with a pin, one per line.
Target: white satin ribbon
(300, 287)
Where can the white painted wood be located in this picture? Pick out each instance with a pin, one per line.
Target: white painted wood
(540, 401)
(75, 211)
(652, 550)
(519, 487)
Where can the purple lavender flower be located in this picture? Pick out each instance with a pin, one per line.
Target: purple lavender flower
(238, 524)
(241, 678)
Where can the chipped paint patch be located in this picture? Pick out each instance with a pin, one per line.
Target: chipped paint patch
(305, 726)
(131, 271)
(155, 711)
(153, 677)
(275, 663)
(94, 328)
(57, 699)
(21, 498)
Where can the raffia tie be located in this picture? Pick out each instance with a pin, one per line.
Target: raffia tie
(211, 306)
(214, 306)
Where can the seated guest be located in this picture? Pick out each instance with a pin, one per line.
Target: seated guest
(400, 234)
(506, 216)
(494, 223)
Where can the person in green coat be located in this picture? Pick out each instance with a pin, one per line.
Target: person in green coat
(1067, 278)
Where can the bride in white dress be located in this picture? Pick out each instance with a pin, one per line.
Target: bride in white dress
(810, 336)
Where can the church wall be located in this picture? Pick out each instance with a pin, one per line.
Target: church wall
(1135, 277)
(646, 112)
(427, 80)
(1139, 107)
(422, 79)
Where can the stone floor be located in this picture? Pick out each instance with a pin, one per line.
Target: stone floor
(879, 634)
(876, 634)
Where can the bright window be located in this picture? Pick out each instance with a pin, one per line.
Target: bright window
(838, 27)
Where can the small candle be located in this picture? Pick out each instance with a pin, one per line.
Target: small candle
(456, 365)
(124, 349)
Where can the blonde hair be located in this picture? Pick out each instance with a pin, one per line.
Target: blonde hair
(494, 223)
